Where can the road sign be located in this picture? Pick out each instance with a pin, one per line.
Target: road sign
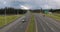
(46, 11)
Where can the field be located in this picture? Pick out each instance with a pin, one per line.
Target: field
(4, 20)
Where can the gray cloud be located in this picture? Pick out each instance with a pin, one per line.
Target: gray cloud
(33, 4)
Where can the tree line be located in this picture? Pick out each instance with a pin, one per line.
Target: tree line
(55, 10)
(12, 11)
(43, 10)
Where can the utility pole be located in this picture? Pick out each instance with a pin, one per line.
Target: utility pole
(5, 16)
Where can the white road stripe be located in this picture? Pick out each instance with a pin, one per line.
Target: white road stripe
(36, 26)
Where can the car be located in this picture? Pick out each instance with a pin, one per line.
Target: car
(23, 21)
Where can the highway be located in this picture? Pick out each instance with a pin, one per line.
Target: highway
(42, 24)
(18, 25)
(46, 24)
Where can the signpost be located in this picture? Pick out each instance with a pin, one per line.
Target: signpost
(46, 11)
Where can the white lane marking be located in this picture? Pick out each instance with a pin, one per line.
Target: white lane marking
(49, 26)
(27, 26)
(36, 26)
(43, 27)
(57, 24)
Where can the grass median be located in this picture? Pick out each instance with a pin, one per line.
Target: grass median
(31, 27)
(9, 18)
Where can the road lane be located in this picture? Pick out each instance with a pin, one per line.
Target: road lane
(38, 25)
(18, 25)
(10, 25)
(53, 24)
(46, 24)
(36, 28)
(42, 27)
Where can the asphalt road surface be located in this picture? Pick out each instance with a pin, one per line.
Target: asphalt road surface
(18, 25)
(46, 24)
(43, 24)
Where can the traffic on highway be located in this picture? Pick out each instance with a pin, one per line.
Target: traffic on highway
(29, 15)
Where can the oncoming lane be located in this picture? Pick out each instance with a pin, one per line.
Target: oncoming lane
(45, 24)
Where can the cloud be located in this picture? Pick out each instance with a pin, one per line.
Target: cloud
(46, 7)
(33, 4)
(54, 3)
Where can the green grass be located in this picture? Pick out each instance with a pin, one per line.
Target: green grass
(31, 27)
(54, 16)
(9, 19)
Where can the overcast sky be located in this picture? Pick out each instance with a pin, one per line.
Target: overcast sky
(32, 4)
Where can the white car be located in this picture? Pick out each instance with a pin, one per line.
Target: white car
(23, 21)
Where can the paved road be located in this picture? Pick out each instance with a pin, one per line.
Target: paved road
(18, 25)
(46, 24)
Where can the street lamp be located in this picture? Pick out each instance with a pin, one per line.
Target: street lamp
(17, 13)
(5, 16)
(5, 12)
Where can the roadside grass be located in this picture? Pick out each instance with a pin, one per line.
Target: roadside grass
(31, 27)
(56, 16)
(8, 19)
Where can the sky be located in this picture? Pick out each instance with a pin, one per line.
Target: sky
(31, 4)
